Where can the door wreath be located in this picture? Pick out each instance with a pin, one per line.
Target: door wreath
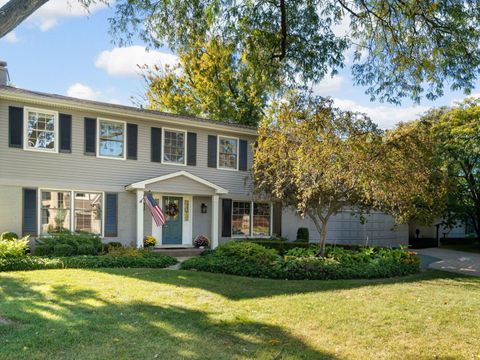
(172, 209)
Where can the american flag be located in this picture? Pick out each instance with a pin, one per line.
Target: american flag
(155, 210)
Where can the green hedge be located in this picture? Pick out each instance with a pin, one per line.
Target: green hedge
(251, 259)
(279, 245)
(69, 244)
(86, 262)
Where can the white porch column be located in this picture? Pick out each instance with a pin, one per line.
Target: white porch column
(140, 195)
(215, 203)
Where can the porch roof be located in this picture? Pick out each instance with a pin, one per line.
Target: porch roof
(142, 185)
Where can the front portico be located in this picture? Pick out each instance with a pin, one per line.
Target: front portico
(189, 193)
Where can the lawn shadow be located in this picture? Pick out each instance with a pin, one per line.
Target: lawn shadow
(239, 287)
(62, 322)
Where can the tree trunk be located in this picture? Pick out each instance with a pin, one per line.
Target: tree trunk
(323, 239)
(16, 11)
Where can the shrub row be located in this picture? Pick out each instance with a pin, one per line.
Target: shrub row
(68, 244)
(87, 262)
(251, 259)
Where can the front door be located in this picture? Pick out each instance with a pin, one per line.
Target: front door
(172, 230)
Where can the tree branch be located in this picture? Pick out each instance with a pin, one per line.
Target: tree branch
(14, 12)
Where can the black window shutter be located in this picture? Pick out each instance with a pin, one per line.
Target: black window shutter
(132, 140)
(191, 149)
(243, 155)
(90, 136)
(29, 212)
(277, 219)
(156, 144)
(111, 214)
(226, 217)
(15, 126)
(212, 151)
(65, 130)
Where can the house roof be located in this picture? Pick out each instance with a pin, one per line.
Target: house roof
(142, 184)
(14, 93)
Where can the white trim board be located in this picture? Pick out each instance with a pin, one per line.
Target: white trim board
(142, 184)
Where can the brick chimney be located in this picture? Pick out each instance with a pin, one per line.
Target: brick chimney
(4, 77)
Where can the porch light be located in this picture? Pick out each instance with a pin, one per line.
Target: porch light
(204, 208)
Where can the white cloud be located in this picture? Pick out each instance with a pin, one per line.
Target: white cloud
(82, 91)
(54, 10)
(328, 85)
(11, 38)
(125, 61)
(385, 116)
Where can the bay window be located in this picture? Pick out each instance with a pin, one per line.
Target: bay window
(88, 212)
(40, 130)
(111, 139)
(241, 218)
(261, 219)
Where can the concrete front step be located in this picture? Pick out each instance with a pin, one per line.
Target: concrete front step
(180, 252)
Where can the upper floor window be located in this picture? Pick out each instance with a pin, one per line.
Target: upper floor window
(40, 130)
(111, 139)
(227, 153)
(174, 146)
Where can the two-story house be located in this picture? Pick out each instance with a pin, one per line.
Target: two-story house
(81, 165)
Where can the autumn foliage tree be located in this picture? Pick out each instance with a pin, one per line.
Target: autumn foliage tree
(309, 156)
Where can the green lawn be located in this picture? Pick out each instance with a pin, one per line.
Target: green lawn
(165, 314)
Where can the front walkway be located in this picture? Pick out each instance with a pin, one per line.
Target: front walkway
(450, 260)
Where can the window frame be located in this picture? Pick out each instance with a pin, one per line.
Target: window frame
(72, 208)
(184, 146)
(250, 231)
(218, 152)
(124, 123)
(26, 111)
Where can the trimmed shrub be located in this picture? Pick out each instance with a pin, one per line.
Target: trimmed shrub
(43, 250)
(248, 259)
(279, 245)
(8, 235)
(86, 249)
(303, 235)
(13, 248)
(29, 263)
(86, 261)
(75, 241)
(64, 250)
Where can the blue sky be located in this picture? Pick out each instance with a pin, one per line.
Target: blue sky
(62, 50)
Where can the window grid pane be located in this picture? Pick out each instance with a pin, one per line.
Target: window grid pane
(54, 211)
(88, 212)
(174, 147)
(227, 153)
(40, 131)
(261, 219)
(111, 139)
(241, 218)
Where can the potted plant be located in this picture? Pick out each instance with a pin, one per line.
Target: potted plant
(201, 241)
(149, 242)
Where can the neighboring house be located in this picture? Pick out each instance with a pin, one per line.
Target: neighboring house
(85, 166)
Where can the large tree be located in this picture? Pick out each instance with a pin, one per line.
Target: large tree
(457, 136)
(211, 81)
(402, 47)
(310, 155)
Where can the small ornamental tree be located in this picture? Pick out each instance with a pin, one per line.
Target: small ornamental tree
(311, 156)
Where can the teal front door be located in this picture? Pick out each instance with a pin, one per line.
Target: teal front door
(172, 230)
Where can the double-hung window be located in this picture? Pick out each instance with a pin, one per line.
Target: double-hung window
(111, 139)
(174, 147)
(62, 210)
(41, 128)
(227, 153)
(251, 219)
(54, 211)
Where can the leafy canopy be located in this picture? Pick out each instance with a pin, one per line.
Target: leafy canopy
(406, 48)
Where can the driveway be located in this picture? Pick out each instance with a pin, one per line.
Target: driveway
(450, 260)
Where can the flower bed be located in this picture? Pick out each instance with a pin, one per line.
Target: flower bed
(251, 259)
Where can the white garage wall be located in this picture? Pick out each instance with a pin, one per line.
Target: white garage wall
(345, 228)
